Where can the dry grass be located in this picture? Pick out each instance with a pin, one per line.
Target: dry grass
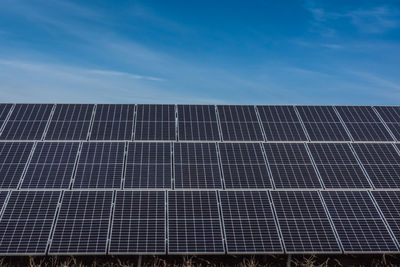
(200, 261)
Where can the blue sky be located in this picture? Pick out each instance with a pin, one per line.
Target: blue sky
(213, 52)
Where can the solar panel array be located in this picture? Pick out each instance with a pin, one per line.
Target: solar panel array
(198, 179)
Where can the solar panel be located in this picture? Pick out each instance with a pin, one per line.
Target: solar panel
(389, 203)
(13, 158)
(281, 123)
(239, 123)
(113, 122)
(27, 122)
(3, 196)
(83, 222)
(196, 165)
(381, 162)
(51, 166)
(100, 165)
(249, 222)
(149, 165)
(304, 225)
(244, 166)
(139, 223)
(197, 122)
(291, 166)
(391, 116)
(363, 123)
(4, 111)
(26, 223)
(357, 222)
(70, 122)
(337, 166)
(322, 123)
(193, 223)
(155, 122)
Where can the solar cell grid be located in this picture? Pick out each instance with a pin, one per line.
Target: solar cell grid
(391, 116)
(196, 165)
(303, 222)
(100, 165)
(27, 221)
(381, 162)
(244, 166)
(83, 222)
(337, 166)
(70, 122)
(149, 165)
(291, 166)
(249, 222)
(194, 223)
(357, 222)
(27, 122)
(51, 166)
(139, 223)
(4, 111)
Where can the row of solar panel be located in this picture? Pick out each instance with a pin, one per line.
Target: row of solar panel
(114, 165)
(195, 222)
(198, 122)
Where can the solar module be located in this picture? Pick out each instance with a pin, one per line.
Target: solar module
(100, 165)
(243, 166)
(363, 123)
(26, 223)
(197, 122)
(291, 166)
(303, 223)
(337, 166)
(13, 158)
(27, 122)
(239, 123)
(148, 165)
(70, 122)
(155, 122)
(322, 123)
(51, 166)
(196, 165)
(358, 223)
(194, 225)
(281, 123)
(139, 223)
(83, 223)
(381, 162)
(249, 222)
(391, 116)
(4, 112)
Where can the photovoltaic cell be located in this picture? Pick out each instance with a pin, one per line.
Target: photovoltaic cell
(338, 166)
(281, 123)
(149, 165)
(197, 122)
(155, 122)
(27, 122)
(70, 122)
(4, 110)
(291, 166)
(196, 165)
(83, 222)
(27, 221)
(357, 222)
(389, 203)
(249, 222)
(113, 122)
(100, 165)
(381, 162)
(391, 116)
(139, 223)
(244, 166)
(363, 123)
(322, 123)
(303, 222)
(51, 166)
(13, 158)
(194, 223)
(239, 123)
